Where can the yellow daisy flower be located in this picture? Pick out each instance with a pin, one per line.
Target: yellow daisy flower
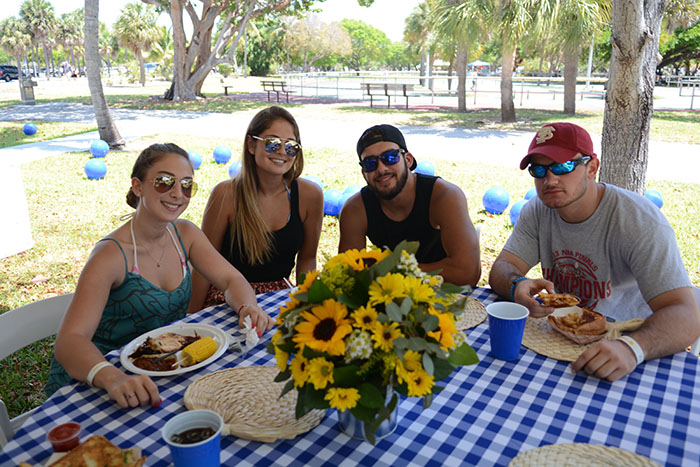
(417, 290)
(282, 358)
(300, 370)
(413, 360)
(386, 288)
(402, 373)
(324, 327)
(364, 318)
(419, 383)
(384, 335)
(342, 398)
(277, 336)
(446, 329)
(320, 372)
(289, 305)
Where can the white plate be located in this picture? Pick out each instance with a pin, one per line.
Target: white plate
(184, 329)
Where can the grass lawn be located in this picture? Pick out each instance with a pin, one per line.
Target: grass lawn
(69, 214)
(11, 133)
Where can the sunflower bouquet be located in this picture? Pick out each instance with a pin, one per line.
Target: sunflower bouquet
(370, 324)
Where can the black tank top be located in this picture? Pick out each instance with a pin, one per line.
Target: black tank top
(383, 231)
(286, 243)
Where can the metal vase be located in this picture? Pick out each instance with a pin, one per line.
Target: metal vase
(355, 428)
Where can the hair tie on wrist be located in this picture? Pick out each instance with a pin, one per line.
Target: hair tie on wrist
(94, 370)
(240, 308)
(512, 286)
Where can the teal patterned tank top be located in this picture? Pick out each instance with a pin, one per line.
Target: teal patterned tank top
(134, 307)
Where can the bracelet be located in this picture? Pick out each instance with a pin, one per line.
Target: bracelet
(634, 345)
(240, 308)
(93, 371)
(512, 286)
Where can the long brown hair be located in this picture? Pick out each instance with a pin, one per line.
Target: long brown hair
(252, 235)
(146, 160)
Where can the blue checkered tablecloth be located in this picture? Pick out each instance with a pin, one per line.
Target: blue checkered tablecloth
(487, 414)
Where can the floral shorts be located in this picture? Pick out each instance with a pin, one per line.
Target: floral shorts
(216, 296)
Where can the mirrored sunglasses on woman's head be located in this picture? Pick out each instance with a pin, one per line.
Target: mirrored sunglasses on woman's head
(390, 157)
(540, 171)
(273, 144)
(164, 183)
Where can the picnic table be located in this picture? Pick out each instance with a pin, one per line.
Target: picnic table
(276, 87)
(487, 413)
(386, 90)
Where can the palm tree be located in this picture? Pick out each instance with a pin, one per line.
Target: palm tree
(417, 31)
(108, 130)
(70, 32)
(14, 41)
(40, 20)
(137, 31)
(107, 45)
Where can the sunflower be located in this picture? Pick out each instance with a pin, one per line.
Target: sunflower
(417, 290)
(308, 280)
(324, 327)
(412, 360)
(364, 318)
(342, 398)
(282, 358)
(300, 370)
(386, 288)
(419, 383)
(384, 335)
(320, 372)
(284, 310)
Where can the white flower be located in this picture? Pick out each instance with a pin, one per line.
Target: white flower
(459, 338)
(358, 346)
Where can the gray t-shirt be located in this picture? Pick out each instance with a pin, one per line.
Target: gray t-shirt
(617, 260)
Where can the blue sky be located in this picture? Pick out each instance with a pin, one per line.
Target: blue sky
(386, 15)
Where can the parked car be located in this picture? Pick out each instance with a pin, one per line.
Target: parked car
(8, 72)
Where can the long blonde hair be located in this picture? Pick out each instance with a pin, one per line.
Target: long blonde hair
(248, 227)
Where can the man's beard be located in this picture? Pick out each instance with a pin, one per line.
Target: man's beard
(400, 183)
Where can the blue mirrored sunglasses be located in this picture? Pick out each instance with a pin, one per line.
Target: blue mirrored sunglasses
(273, 144)
(390, 157)
(540, 171)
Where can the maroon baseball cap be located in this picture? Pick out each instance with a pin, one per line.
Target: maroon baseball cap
(560, 142)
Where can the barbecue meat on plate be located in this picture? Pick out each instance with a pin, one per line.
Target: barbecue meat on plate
(162, 344)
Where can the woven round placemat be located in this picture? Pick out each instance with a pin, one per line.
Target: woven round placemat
(541, 338)
(248, 401)
(576, 454)
(474, 314)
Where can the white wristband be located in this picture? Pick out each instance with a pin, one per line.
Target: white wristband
(636, 348)
(93, 371)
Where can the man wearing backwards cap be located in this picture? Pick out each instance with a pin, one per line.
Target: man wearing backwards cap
(399, 205)
(610, 247)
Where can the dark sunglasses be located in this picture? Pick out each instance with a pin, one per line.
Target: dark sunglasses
(164, 183)
(273, 144)
(390, 157)
(540, 171)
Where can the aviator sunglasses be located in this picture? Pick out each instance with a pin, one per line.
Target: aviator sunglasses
(273, 144)
(390, 157)
(540, 171)
(164, 183)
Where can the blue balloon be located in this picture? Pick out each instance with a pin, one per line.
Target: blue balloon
(344, 198)
(234, 168)
(425, 168)
(655, 197)
(496, 200)
(531, 193)
(331, 201)
(99, 148)
(29, 129)
(352, 189)
(222, 154)
(515, 211)
(315, 179)
(195, 159)
(95, 169)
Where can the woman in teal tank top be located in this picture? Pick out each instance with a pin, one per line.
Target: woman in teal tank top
(137, 279)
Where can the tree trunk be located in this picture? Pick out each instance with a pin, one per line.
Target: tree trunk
(423, 62)
(142, 67)
(108, 130)
(245, 59)
(570, 74)
(45, 46)
(462, 58)
(179, 89)
(507, 62)
(629, 103)
(431, 63)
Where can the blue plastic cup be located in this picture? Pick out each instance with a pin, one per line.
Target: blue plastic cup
(206, 453)
(506, 327)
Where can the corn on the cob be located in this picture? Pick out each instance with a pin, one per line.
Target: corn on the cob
(198, 351)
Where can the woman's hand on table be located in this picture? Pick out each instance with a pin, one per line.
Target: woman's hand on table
(129, 390)
(610, 360)
(260, 319)
(526, 289)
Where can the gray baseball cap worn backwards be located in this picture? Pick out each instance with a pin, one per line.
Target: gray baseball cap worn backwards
(379, 133)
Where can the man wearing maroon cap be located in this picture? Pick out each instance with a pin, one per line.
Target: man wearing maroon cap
(398, 204)
(610, 247)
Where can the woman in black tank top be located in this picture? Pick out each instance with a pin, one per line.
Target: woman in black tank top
(266, 216)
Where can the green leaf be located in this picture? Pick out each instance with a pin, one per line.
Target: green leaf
(463, 355)
(287, 387)
(442, 369)
(270, 347)
(406, 305)
(318, 292)
(301, 409)
(350, 301)
(287, 346)
(410, 247)
(370, 429)
(457, 307)
(446, 287)
(346, 376)
(436, 350)
(363, 413)
(382, 318)
(385, 266)
(400, 343)
(430, 322)
(416, 343)
(315, 398)
(428, 364)
(394, 312)
(302, 296)
(370, 396)
(427, 400)
(283, 376)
